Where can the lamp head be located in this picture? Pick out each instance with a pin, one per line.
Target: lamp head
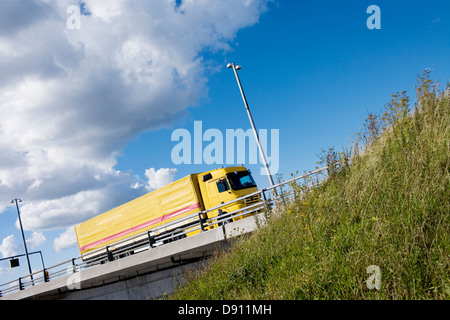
(231, 65)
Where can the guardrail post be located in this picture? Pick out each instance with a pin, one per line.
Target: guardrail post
(1, 294)
(265, 199)
(219, 213)
(151, 240)
(109, 254)
(21, 286)
(201, 221)
(74, 265)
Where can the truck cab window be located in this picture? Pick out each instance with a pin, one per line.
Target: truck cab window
(241, 180)
(222, 185)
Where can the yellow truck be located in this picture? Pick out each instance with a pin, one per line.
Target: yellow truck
(176, 201)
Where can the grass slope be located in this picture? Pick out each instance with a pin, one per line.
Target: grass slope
(389, 208)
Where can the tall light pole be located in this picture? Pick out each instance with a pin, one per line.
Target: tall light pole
(235, 69)
(23, 235)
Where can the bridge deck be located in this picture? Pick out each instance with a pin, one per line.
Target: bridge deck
(148, 261)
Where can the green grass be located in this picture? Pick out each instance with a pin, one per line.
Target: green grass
(388, 205)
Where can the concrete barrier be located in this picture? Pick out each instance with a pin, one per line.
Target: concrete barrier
(145, 275)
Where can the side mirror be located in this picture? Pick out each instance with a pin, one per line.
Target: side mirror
(207, 177)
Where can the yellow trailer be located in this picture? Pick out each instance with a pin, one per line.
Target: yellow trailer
(176, 201)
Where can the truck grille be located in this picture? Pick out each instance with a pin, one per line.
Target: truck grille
(252, 199)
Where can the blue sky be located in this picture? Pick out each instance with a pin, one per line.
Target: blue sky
(313, 70)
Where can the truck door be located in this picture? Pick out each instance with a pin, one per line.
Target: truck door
(219, 192)
(213, 195)
(223, 188)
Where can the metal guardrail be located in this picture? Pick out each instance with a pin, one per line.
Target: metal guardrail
(263, 200)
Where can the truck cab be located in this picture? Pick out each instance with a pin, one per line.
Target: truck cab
(226, 184)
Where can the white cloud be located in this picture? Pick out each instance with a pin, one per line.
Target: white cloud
(36, 240)
(80, 206)
(66, 240)
(159, 178)
(71, 100)
(9, 246)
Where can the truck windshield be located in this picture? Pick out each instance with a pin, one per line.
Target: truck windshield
(241, 180)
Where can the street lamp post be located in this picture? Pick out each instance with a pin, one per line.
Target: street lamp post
(23, 236)
(235, 69)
